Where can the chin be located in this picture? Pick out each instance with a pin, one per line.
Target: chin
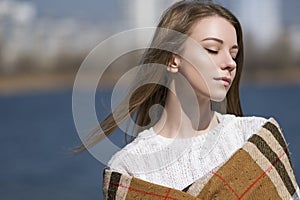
(218, 97)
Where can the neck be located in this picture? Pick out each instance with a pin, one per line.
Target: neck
(182, 119)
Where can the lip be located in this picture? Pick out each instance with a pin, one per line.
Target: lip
(226, 81)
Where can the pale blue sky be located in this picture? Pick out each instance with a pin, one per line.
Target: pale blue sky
(107, 10)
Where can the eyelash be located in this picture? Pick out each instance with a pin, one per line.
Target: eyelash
(215, 52)
(211, 51)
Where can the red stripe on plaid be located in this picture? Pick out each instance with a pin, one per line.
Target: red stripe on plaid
(252, 185)
(227, 184)
(168, 192)
(165, 197)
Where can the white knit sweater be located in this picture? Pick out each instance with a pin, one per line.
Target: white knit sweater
(177, 163)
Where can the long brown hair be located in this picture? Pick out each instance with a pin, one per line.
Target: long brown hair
(179, 17)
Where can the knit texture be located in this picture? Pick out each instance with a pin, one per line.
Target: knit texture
(176, 163)
(261, 169)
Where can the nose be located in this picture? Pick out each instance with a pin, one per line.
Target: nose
(228, 62)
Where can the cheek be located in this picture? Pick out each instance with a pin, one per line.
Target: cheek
(233, 74)
(214, 59)
(193, 75)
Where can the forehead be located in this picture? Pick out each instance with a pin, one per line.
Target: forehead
(214, 26)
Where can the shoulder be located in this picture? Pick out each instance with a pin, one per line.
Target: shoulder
(249, 121)
(247, 125)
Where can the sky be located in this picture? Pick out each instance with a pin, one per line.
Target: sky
(96, 11)
(89, 10)
(93, 20)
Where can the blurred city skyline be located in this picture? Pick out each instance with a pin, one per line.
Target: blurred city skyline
(40, 35)
(96, 11)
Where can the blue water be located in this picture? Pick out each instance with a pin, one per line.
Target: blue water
(37, 130)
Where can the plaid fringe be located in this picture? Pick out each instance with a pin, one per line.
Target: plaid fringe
(261, 169)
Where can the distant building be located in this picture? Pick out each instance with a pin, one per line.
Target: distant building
(141, 14)
(145, 13)
(262, 20)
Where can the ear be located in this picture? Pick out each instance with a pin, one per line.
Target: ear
(174, 64)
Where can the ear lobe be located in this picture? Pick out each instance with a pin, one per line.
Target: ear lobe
(174, 64)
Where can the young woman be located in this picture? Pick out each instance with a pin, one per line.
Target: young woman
(191, 150)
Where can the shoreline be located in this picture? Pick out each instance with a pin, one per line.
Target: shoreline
(23, 83)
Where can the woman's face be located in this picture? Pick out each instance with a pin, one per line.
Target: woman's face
(210, 70)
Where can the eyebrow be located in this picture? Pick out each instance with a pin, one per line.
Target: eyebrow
(220, 41)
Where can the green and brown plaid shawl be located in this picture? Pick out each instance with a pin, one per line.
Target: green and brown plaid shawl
(261, 169)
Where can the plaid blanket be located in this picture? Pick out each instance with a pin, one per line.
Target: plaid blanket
(261, 169)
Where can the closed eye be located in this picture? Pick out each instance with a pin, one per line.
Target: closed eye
(211, 51)
(234, 56)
